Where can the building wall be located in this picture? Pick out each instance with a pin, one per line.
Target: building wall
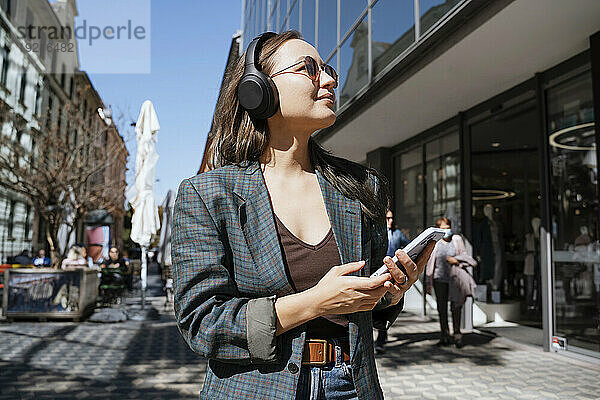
(52, 79)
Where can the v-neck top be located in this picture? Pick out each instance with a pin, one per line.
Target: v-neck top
(305, 265)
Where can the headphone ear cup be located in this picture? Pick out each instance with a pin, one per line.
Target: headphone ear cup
(258, 95)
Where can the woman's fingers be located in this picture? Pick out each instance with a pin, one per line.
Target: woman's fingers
(396, 272)
(409, 265)
(349, 268)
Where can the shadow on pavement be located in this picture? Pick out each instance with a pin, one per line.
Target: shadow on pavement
(419, 348)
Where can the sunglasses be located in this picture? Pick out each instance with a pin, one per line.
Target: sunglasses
(313, 70)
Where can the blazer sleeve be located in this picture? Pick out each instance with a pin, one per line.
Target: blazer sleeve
(212, 317)
(383, 314)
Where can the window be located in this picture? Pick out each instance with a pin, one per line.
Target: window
(393, 31)
(11, 218)
(327, 37)
(38, 99)
(408, 190)
(5, 65)
(23, 85)
(27, 222)
(293, 20)
(354, 62)
(7, 6)
(63, 77)
(432, 11)
(349, 13)
(307, 20)
(32, 153)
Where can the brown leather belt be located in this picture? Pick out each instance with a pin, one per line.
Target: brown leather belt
(319, 352)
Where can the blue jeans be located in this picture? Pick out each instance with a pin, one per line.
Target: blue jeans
(324, 383)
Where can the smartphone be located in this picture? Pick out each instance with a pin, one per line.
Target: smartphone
(414, 248)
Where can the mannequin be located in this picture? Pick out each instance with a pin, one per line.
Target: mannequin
(531, 269)
(497, 246)
(482, 245)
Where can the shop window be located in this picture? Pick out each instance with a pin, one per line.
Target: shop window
(393, 25)
(443, 180)
(408, 192)
(574, 205)
(506, 197)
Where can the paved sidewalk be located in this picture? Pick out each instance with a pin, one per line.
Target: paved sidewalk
(486, 368)
(149, 360)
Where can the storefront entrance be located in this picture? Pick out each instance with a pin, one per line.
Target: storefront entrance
(575, 247)
(518, 177)
(505, 219)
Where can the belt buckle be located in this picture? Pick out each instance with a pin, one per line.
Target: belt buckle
(325, 352)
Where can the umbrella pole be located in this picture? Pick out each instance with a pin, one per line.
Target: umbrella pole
(143, 273)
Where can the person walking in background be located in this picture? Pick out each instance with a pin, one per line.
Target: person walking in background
(41, 260)
(396, 240)
(438, 273)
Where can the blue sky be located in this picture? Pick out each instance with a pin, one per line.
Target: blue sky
(190, 41)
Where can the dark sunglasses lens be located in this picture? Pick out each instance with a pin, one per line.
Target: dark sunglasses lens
(331, 72)
(311, 67)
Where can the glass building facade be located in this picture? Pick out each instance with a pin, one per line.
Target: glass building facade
(516, 172)
(359, 38)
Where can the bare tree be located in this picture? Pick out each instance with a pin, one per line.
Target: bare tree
(65, 169)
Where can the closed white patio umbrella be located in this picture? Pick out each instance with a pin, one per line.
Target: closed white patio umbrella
(145, 221)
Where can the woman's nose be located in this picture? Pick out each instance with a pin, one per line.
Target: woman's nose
(326, 80)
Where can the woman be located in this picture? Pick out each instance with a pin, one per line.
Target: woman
(115, 260)
(75, 258)
(272, 249)
(439, 271)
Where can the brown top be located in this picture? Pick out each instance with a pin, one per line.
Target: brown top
(305, 265)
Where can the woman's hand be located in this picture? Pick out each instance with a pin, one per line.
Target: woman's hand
(451, 260)
(412, 269)
(338, 293)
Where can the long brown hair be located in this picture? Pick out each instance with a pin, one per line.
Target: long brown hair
(237, 138)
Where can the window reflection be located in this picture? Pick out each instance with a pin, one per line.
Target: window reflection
(293, 19)
(443, 180)
(327, 27)
(393, 31)
(307, 25)
(354, 63)
(433, 10)
(408, 196)
(350, 11)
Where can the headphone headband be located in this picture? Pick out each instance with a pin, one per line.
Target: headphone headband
(256, 91)
(252, 53)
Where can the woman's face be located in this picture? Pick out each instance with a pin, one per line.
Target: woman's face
(444, 225)
(303, 102)
(113, 253)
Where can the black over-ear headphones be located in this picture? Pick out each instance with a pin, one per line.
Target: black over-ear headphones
(256, 91)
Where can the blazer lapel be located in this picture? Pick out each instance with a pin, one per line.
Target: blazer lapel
(344, 215)
(258, 224)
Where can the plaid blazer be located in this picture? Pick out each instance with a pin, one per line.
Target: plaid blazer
(228, 269)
